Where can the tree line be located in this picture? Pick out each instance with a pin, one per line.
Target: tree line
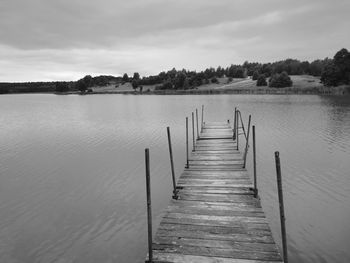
(333, 72)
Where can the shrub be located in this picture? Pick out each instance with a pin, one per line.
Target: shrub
(166, 85)
(214, 80)
(261, 81)
(280, 80)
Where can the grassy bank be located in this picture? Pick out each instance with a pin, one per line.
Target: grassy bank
(304, 84)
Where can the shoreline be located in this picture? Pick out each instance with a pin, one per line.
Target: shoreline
(261, 91)
(342, 90)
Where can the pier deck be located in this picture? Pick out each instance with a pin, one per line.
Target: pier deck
(216, 217)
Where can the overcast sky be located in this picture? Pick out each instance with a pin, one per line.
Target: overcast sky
(67, 39)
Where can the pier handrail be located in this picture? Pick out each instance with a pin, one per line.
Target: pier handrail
(236, 133)
(242, 124)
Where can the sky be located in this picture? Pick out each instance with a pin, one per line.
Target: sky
(50, 40)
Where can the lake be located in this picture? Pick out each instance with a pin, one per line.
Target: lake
(72, 181)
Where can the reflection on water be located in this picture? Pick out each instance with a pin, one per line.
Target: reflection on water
(72, 185)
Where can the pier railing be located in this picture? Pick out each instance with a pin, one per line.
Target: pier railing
(238, 129)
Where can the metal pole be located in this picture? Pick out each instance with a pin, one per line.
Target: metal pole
(247, 143)
(202, 118)
(280, 198)
(197, 124)
(187, 163)
(237, 130)
(240, 115)
(254, 162)
(172, 164)
(193, 136)
(149, 207)
(234, 125)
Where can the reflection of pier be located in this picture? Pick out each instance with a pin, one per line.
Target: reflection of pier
(215, 215)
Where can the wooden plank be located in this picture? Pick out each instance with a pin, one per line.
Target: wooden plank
(218, 173)
(216, 190)
(215, 162)
(213, 211)
(215, 167)
(205, 137)
(238, 227)
(261, 230)
(217, 147)
(228, 182)
(160, 256)
(213, 176)
(216, 142)
(213, 184)
(211, 152)
(218, 183)
(224, 206)
(217, 252)
(215, 233)
(210, 243)
(238, 219)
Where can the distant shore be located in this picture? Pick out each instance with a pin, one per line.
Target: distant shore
(303, 84)
(315, 91)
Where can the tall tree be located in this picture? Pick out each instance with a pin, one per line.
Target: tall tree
(125, 77)
(255, 75)
(136, 76)
(337, 71)
(135, 84)
(331, 75)
(261, 81)
(342, 61)
(180, 80)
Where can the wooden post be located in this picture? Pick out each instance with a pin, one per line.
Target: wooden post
(193, 136)
(247, 143)
(149, 207)
(202, 118)
(197, 124)
(172, 164)
(254, 163)
(187, 162)
(281, 204)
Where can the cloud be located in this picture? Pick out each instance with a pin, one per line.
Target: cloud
(66, 39)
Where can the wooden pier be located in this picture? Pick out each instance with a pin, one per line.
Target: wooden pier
(216, 218)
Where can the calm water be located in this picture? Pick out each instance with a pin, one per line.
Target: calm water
(72, 185)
